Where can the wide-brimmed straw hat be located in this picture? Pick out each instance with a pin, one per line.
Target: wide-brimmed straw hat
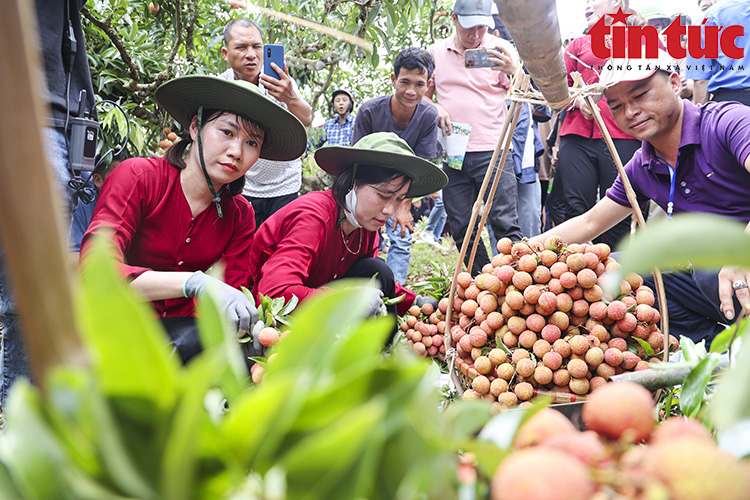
(384, 149)
(285, 137)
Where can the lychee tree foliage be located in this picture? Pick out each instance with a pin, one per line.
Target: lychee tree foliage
(703, 242)
(334, 417)
(132, 50)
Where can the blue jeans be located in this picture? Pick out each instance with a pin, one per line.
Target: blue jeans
(530, 208)
(462, 191)
(437, 218)
(399, 253)
(13, 362)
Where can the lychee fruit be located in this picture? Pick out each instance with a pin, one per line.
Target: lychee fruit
(621, 410)
(541, 426)
(268, 336)
(564, 478)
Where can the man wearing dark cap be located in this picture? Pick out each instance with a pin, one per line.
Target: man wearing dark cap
(693, 159)
(476, 96)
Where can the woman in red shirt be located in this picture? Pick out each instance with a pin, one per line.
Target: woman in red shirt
(171, 218)
(333, 234)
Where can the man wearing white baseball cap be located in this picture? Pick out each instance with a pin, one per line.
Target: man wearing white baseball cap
(693, 159)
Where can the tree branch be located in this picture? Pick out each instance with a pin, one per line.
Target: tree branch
(312, 47)
(106, 26)
(192, 16)
(145, 114)
(324, 88)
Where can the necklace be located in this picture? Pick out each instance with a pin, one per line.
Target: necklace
(346, 245)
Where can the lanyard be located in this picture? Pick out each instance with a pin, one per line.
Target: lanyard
(670, 205)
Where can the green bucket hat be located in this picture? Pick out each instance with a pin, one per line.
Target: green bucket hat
(384, 149)
(285, 136)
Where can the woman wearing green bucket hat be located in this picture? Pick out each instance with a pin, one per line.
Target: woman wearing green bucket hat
(172, 218)
(333, 234)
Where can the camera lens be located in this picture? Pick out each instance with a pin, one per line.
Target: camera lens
(268, 51)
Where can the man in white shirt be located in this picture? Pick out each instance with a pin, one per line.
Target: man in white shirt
(269, 185)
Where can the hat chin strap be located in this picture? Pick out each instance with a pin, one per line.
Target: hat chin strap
(216, 198)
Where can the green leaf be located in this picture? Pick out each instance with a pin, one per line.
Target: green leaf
(68, 414)
(364, 344)
(489, 455)
(318, 321)
(29, 450)
(289, 307)
(322, 404)
(722, 341)
(277, 304)
(124, 470)
(129, 351)
(137, 138)
(7, 490)
(731, 402)
(85, 487)
(122, 124)
(694, 388)
(373, 14)
(319, 462)
(466, 418)
(180, 460)
(687, 238)
(646, 346)
(689, 350)
(215, 335)
(256, 415)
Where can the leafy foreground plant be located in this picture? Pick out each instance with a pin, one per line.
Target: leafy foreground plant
(704, 242)
(334, 418)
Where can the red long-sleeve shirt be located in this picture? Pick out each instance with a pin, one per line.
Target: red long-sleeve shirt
(143, 211)
(579, 57)
(300, 248)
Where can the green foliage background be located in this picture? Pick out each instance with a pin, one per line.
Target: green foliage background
(133, 50)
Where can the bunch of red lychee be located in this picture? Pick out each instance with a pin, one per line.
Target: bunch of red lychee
(537, 319)
(425, 329)
(621, 455)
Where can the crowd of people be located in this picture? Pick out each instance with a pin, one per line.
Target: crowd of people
(229, 190)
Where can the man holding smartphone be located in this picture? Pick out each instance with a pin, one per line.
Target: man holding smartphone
(269, 185)
(475, 96)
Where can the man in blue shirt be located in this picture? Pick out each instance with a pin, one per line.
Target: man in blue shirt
(337, 130)
(727, 79)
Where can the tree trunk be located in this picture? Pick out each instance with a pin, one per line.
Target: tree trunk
(536, 33)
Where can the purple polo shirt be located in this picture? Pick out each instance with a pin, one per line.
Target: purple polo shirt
(710, 175)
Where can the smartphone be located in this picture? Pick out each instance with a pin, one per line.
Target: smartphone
(272, 53)
(477, 58)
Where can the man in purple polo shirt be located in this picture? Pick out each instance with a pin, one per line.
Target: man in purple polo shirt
(693, 159)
